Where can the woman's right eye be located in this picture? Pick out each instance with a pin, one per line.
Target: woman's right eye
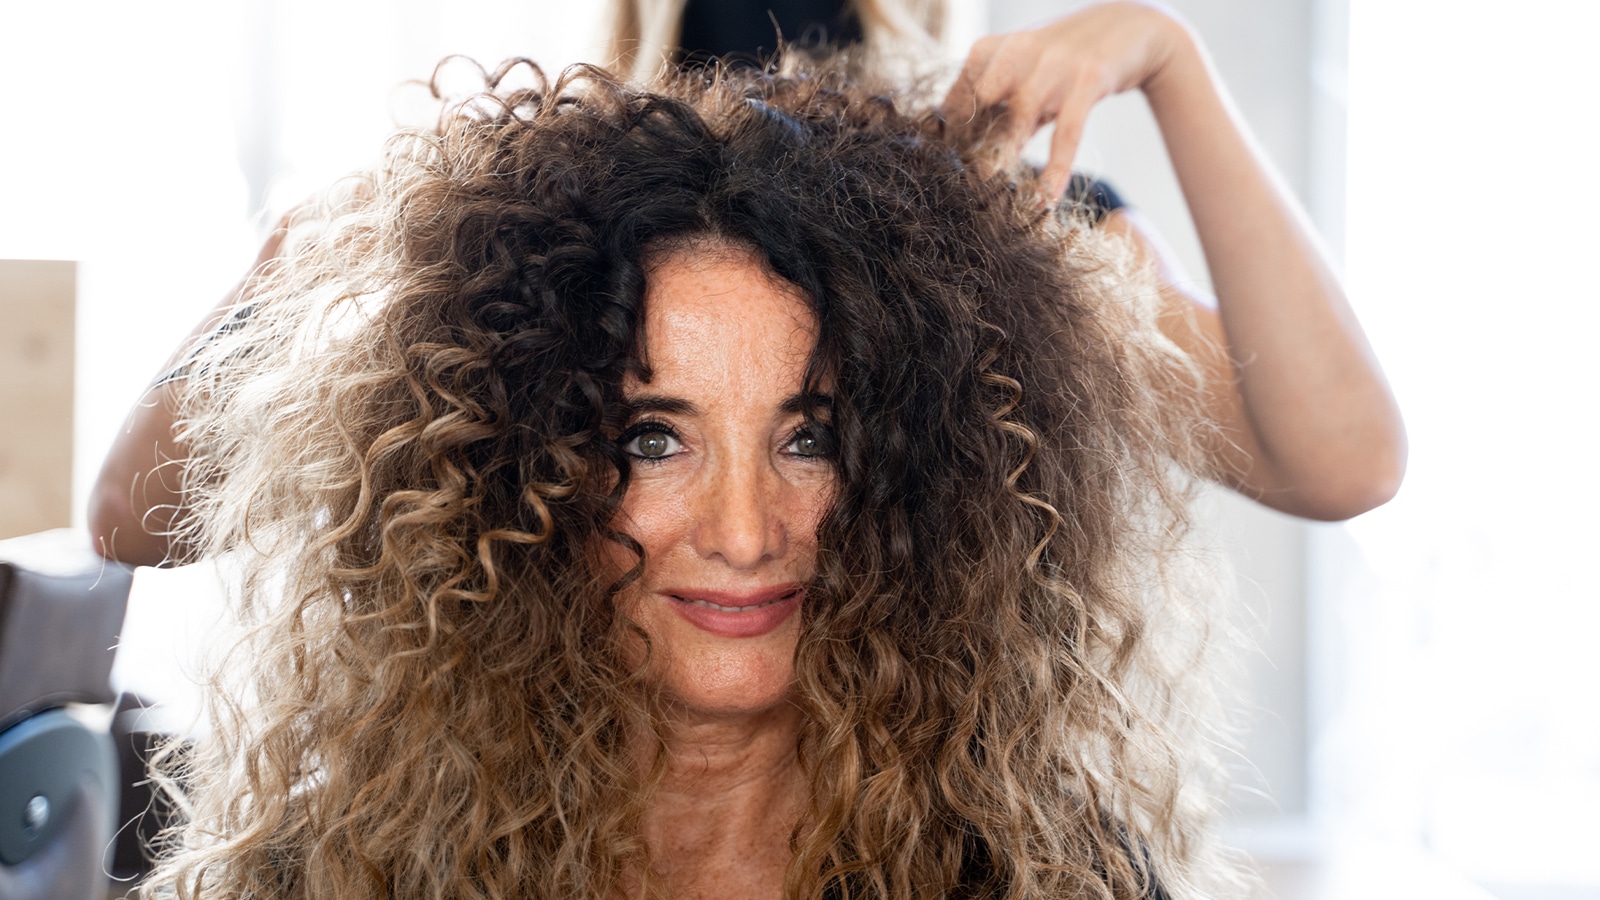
(650, 442)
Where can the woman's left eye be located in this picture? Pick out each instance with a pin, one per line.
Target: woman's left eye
(649, 441)
(811, 442)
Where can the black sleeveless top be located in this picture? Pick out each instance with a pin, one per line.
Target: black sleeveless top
(740, 32)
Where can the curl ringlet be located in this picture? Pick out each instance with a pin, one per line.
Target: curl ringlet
(406, 450)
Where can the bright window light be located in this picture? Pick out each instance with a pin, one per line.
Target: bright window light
(1473, 717)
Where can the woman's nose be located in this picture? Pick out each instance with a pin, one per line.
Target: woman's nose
(741, 517)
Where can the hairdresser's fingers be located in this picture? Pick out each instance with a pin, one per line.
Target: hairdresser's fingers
(1019, 85)
(961, 106)
(1056, 73)
(1082, 94)
(1029, 103)
(1061, 83)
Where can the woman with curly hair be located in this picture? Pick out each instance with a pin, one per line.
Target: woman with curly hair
(721, 489)
(728, 487)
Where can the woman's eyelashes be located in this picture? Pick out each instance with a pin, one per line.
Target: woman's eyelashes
(812, 440)
(651, 441)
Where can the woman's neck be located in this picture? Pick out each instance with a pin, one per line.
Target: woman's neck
(721, 816)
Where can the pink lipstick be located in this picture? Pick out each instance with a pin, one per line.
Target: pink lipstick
(737, 614)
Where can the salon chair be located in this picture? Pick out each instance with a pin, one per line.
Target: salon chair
(61, 608)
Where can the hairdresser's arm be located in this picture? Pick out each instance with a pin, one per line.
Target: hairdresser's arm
(139, 493)
(1312, 427)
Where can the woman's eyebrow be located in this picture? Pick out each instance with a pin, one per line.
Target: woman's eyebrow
(796, 403)
(660, 403)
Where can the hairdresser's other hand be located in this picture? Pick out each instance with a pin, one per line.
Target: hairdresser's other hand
(1058, 72)
(139, 496)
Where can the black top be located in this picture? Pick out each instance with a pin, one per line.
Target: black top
(741, 32)
(1092, 196)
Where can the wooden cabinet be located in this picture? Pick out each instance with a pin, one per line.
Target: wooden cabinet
(38, 302)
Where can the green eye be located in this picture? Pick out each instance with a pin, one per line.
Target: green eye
(650, 441)
(653, 444)
(811, 442)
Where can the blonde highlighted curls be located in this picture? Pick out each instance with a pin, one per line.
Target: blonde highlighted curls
(405, 450)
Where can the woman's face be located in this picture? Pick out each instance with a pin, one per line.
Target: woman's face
(728, 482)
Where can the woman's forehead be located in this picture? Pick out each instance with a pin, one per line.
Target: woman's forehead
(713, 305)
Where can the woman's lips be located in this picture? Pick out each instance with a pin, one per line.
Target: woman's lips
(737, 614)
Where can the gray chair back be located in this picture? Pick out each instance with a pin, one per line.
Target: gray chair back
(61, 608)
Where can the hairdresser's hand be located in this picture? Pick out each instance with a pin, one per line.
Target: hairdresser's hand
(1057, 73)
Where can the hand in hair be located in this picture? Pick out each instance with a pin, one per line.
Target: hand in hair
(1057, 73)
(1309, 425)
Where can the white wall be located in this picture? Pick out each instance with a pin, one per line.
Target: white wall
(1469, 717)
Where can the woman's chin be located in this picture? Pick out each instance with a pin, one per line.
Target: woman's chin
(737, 681)
(720, 668)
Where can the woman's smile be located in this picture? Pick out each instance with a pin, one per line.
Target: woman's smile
(737, 614)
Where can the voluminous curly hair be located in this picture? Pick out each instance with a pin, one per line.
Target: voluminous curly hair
(407, 450)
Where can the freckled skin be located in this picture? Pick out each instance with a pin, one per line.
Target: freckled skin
(730, 509)
(731, 505)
